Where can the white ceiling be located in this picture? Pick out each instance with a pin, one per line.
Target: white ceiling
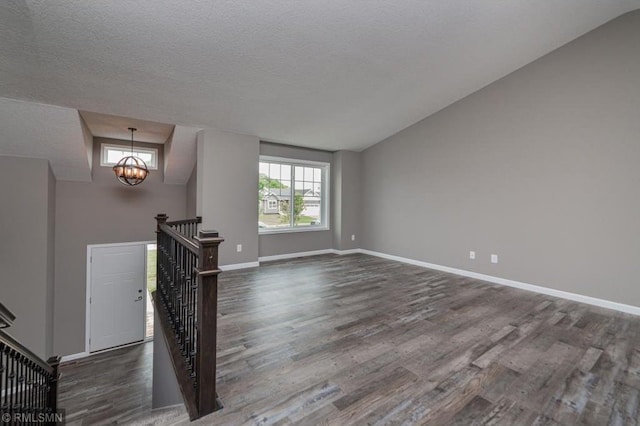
(332, 74)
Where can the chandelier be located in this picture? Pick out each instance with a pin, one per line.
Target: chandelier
(131, 170)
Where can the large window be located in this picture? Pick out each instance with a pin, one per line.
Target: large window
(111, 154)
(293, 195)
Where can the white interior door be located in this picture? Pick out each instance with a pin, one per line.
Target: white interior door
(117, 299)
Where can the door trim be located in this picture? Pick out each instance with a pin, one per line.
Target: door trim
(87, 321)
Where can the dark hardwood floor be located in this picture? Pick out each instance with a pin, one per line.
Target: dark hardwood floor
(361, 340)
(110, 387)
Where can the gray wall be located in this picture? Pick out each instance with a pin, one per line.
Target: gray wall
(346, 198)
(294, 242)
(165, 388)
(100, 212)
(192, 186)
(26, 258)
(540, 167)
(227, 182)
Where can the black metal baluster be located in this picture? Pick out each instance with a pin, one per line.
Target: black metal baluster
(174, 246)
(32, 393)
(35, 391)
(2, 374)
(183, 342)
(27, 380)
(180, 295)
(171, 282)
(33, 402)
(174, 279)
(194, 281)
(12, 388)
(40, 389)
(43, 390)
(183, 289)
(7, 388)
(19, 383)
(187, 283)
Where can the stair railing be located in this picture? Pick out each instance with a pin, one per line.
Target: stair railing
(28, 384)
(186, 299)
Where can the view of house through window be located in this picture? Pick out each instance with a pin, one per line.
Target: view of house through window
(292, 194)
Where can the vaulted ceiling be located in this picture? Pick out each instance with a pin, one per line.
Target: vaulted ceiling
(331, 74)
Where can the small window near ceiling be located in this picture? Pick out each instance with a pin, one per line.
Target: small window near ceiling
(111, 154)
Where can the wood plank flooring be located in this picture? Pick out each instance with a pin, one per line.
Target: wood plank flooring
(111, 387)
(361, 340)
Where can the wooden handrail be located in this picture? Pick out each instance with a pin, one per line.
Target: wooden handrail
(11, 343)
(198, 219)
(186, 302)
(187, 242)
(30, 384)
(188, 227)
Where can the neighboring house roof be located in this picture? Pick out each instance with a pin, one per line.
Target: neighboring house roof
(285, 193)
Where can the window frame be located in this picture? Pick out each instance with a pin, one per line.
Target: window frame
(325, 189)
(105, 147)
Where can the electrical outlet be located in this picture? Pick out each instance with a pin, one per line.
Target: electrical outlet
(353, 237)
(494, 258)
(472, 254)
(239, 248)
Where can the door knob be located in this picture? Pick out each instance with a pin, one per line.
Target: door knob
(138, 299)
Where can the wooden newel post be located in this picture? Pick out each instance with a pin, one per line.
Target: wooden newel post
(54, 362)
(161, 219)
(208, 242)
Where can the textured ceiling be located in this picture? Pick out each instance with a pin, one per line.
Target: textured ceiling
(33, 130)
(332, 74)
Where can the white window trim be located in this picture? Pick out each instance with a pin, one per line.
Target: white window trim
(105, 147)
(275, 204)
(325, 201)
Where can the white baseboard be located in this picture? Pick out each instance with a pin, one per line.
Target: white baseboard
(85, 354)
(294, 255)
(621, 307)
(74, 357)
(235, 266)
(349, 251)
(635, 310)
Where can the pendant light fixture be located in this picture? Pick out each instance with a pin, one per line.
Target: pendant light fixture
(131, 170)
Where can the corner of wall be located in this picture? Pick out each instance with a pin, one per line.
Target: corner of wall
(50, 293)
(88, 141)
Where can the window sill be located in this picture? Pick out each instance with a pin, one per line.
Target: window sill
(262, 231)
